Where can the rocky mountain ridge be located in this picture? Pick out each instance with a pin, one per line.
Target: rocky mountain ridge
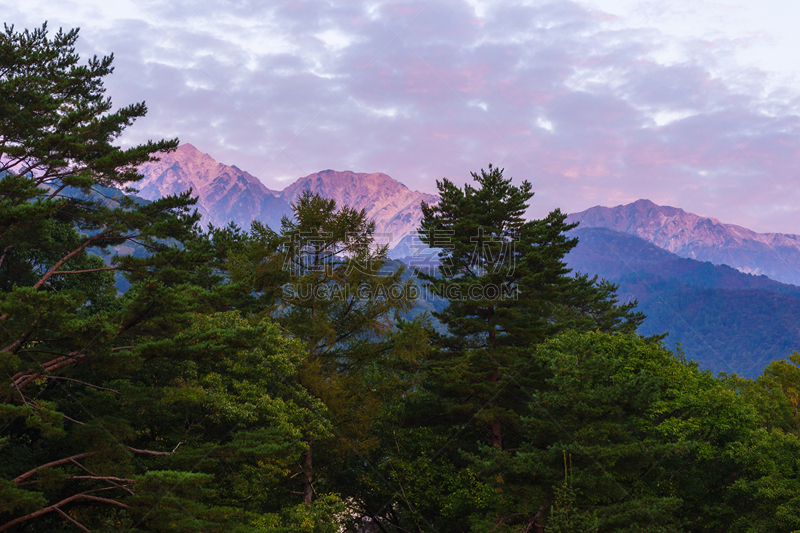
(775, 255)
(228, 194)
(394, 207)
(225, 193)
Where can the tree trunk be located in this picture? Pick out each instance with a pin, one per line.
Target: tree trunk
(534, 524)
(494, 378)
(308, 490)
(308, 470)
(497, 434)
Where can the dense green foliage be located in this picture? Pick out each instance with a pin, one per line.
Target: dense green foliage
(266, 380)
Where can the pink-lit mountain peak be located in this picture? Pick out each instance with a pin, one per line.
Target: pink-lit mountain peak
(776, 255)
(344, 185)
(225, 193)
(394, 207)
(672, 228)
(189, 166)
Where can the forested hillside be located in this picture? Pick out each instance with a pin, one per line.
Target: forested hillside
(260, 380)
(722, 318)
(612, 254)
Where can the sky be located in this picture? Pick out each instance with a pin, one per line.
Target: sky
(688, 103)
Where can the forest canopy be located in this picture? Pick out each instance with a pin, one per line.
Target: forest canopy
(272, 379)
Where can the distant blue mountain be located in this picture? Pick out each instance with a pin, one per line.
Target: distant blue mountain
(724, 319)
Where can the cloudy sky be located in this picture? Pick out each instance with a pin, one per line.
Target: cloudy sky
(690, 103)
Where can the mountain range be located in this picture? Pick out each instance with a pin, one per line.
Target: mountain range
(776, 255)
(228, 194)
(726, 294)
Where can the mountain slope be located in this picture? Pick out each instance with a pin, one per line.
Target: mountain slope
(722, 318)
(613, 255)
(225, 193)
(688, 235)
(394, 207)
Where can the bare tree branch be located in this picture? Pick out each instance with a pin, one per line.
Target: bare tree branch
(149, 452)
(84, 271)
(74, 459)
(66, 258)
(29, 473)
(22, 396)
(82, 383)
(68, 517)
(73, 420)
(23, 378)
(105, 478)
(56, 506)
(16, 344)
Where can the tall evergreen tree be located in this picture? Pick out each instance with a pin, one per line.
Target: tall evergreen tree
(62, 328)
(508, 287)
(342, 303)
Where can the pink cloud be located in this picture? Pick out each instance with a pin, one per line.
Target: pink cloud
(421, 90)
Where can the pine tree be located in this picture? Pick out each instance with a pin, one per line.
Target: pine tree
(342, 303)
(64, 330)
(508, 287)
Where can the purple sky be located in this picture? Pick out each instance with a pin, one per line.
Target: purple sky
(690, 104)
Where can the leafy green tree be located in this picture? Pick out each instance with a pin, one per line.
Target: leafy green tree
(224, 400)
(202, 437)
(646, 433)
(765, 493)
(252, 266)
(507, 288)
(647, 436)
